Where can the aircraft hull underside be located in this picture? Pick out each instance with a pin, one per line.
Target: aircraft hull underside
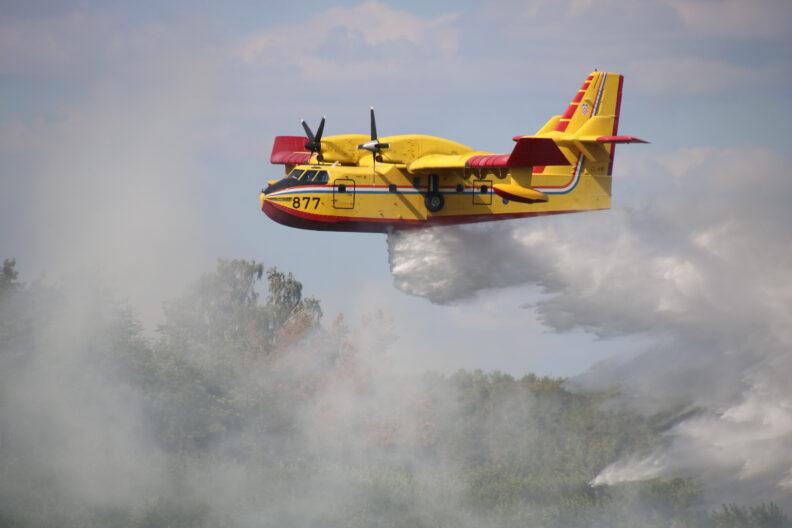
(322, 222)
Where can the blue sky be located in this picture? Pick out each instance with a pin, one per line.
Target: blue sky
(135, 137)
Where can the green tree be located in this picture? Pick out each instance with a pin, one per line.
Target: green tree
(764, 515)
(221, 314)
(9, 275)
(245, 385)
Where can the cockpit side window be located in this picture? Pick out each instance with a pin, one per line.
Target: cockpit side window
(321, 177)
(295, 174)
(308, 176)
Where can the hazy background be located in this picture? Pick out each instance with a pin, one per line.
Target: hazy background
(139, 136)
(135, 139)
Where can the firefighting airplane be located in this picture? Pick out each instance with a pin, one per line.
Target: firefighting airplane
(354, 182)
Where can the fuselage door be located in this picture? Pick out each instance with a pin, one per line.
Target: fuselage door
(344, 193)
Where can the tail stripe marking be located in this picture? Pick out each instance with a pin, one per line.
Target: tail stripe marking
(616, 123)
(599, 94)
(569, 186)
(563, 123)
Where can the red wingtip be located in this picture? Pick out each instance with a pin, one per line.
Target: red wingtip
(288, 150)
(620, 139)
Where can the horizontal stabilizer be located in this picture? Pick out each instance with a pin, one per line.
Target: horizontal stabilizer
(620, 139)
(289, 150)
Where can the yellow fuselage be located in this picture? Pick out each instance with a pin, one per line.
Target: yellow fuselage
(375, 199)
(354, 182)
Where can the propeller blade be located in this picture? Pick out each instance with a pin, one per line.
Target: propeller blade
(307, 131)
(374, 145)
(320, 131)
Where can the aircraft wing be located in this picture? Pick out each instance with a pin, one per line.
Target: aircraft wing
(530, 151)
(438, 162)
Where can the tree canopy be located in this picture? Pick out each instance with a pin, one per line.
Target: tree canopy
(244, 409)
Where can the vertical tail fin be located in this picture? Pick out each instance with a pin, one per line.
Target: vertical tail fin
(600, 95)
(590, 124)
(586, 135)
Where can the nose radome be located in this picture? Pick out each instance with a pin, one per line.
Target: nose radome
(262, 199)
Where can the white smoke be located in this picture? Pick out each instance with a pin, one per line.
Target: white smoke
(701, 263)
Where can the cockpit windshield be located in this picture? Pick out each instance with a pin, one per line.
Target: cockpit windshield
(314, 176)
(308, 176)
(299, 178)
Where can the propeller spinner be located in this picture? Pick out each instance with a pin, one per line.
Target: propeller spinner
(374, 146)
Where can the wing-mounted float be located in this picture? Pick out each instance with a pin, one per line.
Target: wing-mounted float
(367, 183)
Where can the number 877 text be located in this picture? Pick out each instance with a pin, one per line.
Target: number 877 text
(304, 202)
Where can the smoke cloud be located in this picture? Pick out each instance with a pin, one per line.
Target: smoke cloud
(700, 262)
(102, 423)
(244, 411)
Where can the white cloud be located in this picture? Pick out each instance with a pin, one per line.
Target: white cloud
(356, 42)
(687, 74)
(736, 19)
(44, 46)
(109, 172)
(670, 48)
